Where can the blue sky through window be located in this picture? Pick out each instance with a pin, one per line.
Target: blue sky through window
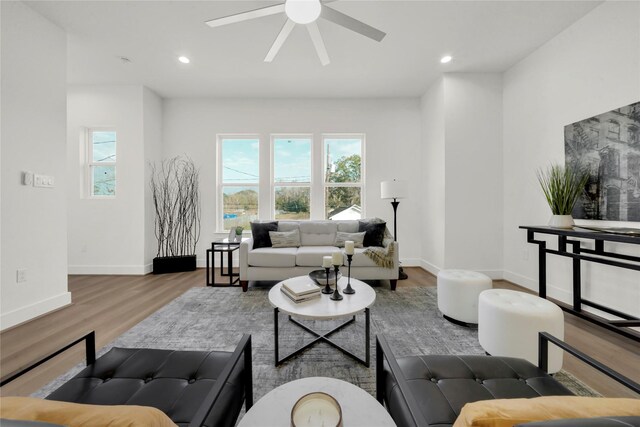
(292, 160)
(240, 160)
(104, 146)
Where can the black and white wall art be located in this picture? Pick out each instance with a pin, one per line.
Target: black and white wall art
(608, 145)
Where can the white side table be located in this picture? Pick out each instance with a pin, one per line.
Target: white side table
(324, 308)
(359, 408)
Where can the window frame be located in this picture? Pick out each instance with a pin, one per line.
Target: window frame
(91, 164)
(219, 176)
(272, 171)
(361, 184)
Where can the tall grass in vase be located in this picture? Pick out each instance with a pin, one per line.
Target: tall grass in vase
(562, 185)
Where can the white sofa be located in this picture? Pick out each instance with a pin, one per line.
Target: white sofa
(317, 240)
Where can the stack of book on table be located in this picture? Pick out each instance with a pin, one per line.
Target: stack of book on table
(300, 291)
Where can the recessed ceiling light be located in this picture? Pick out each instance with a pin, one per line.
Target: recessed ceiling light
(446, 59)
(184, 59)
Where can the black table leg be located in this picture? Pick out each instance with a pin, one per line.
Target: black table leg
(577, 278)
(275, 333)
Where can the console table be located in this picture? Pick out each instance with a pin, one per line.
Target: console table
(597, 255)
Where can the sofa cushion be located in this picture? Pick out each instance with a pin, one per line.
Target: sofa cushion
(348, 226)
(360, 259)
(260, 232)
(374, 232)
(356, 238)
(288, 225)
(311, 256)
(318, 233)
(507, 412)
(273, 257)
(285, 239)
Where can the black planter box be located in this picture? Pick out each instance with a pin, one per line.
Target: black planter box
(174, 264)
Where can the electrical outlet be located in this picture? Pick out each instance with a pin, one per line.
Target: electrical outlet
(21, 276)
(27, 178)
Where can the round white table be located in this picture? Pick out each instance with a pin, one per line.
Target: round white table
(324, 308)
(359, 408)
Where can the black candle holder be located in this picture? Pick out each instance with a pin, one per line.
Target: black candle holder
(336, 293)
(327, 288)
(349, 290)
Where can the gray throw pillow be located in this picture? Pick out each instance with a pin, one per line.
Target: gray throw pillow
(357, 238)
(285, 239)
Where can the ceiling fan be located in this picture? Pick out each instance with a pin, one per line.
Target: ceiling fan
(305, 12)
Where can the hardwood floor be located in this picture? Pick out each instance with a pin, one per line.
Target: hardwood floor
(111, 305)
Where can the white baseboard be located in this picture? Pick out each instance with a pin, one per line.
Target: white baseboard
(411, 262)
(30, 311)
(434, 269)
(431, 268)
(111, 269)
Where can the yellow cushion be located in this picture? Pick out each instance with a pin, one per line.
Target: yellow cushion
(76, 414)
(510, 412)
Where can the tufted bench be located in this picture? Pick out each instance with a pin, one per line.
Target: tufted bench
(424, 391)
(197, 388)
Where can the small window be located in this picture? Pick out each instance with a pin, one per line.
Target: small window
(614, 130)
(292, 177)
(238, 181)
(102, 162)
(343, 176)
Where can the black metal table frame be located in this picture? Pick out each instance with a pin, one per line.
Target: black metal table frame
(222, 247)
(577, 254)
(324, 337)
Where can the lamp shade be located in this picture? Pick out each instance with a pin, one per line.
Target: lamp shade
(393, 189)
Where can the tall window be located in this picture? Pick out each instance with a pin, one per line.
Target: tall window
(238, 180)
(343, 176)
(292, 177)
(101, 153)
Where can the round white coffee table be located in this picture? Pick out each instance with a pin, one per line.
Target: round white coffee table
(324, 308)
(359, 408)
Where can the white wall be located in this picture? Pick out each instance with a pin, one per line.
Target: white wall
(107, 236)
(152, 129)
(473, 172)
(432, 190)
(590, 68)
(34, 224)
(392, 128)
(462, 179)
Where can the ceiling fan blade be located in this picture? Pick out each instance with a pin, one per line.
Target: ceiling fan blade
(351, 23)
(279, 41)
(245, 16)
(318, 43)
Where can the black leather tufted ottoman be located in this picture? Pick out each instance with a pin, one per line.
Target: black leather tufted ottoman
(429, 391)
(442, 385)
(176, 382)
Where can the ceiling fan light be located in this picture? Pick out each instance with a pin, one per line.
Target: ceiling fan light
(303, 11)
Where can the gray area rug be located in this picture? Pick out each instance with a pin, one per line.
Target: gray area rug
(216, 318)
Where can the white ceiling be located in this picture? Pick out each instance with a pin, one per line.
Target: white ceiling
(482, 36)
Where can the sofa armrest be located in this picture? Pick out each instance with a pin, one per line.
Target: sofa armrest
(243, 260)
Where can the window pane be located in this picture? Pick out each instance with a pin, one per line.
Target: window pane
(104, 180)
(343, 203)
(292, 160)
(343, 160)
(292, 202)
(104, 146)
(240, 161)
(240, 206)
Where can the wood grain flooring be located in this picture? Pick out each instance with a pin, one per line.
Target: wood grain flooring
(110, 305)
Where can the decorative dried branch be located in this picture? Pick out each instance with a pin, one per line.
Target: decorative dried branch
(176, 198)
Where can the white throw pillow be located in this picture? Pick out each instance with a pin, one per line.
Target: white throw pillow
(357, 238)
(285, 239)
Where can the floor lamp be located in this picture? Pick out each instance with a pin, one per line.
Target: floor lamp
(394, 190)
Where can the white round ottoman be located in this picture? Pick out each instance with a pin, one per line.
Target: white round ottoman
(458, 292)
(509, 322)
